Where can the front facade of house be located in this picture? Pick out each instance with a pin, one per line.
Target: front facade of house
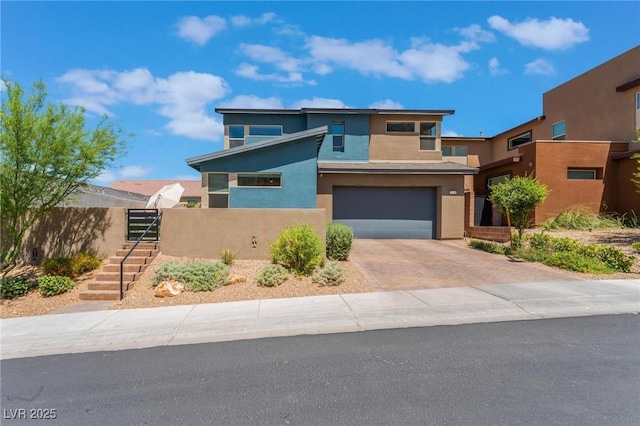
(379, 171)
(390, 173)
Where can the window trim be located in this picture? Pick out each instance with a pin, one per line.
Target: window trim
(401, 132)
(433, 137)
(560, 136)
(217, 192)
(453, 150)
(250, 174)
(582, 170)
(258, 126)
(510, 140)
(339, 148)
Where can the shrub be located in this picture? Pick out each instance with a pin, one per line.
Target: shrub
(540, 241)
(564, 244)
(582, 218)
(298, 248)
(573, 261)
(489, 246)
(615, 259)
(70, 266)
(339, 241)
(84, 262)
(331, 275)
(60, 266)
(228, 256)
(636, 246)
(52, 285)
(272, 276)
(196, 276)
(14, 287)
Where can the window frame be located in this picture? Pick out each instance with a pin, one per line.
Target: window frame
(401, 132)
(453, 149)
(428, 137)
(336, 137)
(218, 194)
(265, 126)
(242, 175)
(511, 139)
(560, 136)
(209, 191)
(236, 141)
(507, 175)
(594, 172)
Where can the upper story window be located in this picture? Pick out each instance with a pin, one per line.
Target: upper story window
(454, 151)
(337, 130)
(265, 130)
(521, 139)
(558, 131)
(428, 136)
(236, 136)
(401, 127)
(582, 174)
(218, 190)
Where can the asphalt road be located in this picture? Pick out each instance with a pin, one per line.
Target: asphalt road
(582, 371)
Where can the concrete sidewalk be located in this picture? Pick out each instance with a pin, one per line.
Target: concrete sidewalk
(140, 328)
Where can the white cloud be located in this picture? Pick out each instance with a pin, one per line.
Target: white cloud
(252, 72)
(494, 67)
(539, 66)
(552, 34)
(318, 103)
(245, 21)
(476, 33)
(200, 30)
(386, 104)
(251, 101)
(450, 133)
(106, 177)
(426, 61)
(276, 57)
(182, 97)
(134, 171)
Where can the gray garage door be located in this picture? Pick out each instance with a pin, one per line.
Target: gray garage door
(381, 212)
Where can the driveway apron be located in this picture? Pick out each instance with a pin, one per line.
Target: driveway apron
(423, 264)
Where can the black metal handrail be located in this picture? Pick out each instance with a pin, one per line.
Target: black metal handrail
(157, 218)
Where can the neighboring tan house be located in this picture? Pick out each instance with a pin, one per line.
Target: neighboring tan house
(102, 196)
(379, 171)
(190, 196)
(581, 147)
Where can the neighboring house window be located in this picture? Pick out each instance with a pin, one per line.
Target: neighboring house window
(427, 136)
(497, 179)
(454, 151)
(638, 100)
(520, 139)
(265, 130)
(260, 179)
(582, 174)
(236, 136)
(558, 131)
(337, 130)
(401, 127)
(218, 189)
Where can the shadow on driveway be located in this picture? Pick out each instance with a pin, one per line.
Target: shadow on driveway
(421, 264)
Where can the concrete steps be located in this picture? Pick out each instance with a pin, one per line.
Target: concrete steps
(106, 284)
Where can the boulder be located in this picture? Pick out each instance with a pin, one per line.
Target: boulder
(169, 289)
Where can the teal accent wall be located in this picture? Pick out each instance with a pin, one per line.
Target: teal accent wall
(296, 160)
(356, 143)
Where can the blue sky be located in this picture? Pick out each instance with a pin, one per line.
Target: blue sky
(160, 68)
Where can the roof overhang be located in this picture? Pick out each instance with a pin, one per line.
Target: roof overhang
(368, 111)
(435, 168)
(317, 132)
(628, 85)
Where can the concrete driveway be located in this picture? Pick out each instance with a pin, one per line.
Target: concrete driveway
(423, 264)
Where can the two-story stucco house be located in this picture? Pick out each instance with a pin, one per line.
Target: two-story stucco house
(379, 171)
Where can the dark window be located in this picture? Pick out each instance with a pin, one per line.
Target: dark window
(520, 139)
(265, 130)
(584, 174)
(454, 151)
(337, 130)
(259, 179)
(401, 126)
(497, 179)
(218, 201)
(558, 132)
(236, 136)
(447, 151)
(218, 182)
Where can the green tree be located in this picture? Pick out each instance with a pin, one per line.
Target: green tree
(47, 152)
(516, 198)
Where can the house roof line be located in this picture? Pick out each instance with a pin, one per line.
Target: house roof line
(526, 123)
(373, 111)
(628, 85)
(317, 132)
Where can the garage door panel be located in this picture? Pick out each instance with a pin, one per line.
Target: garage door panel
(389, 229)
(386, 212)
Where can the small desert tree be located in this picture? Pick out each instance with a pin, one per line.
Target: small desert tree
(516, 198)
(46, 154)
